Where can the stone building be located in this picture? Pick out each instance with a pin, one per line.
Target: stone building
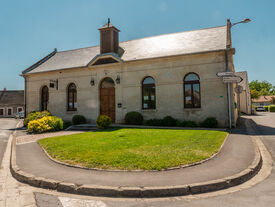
(11, 102)
(245, 96)
(171, 74)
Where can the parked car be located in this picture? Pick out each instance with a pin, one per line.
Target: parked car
(260, 108)
(19, 115)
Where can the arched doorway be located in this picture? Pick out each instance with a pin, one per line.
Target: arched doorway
(107, 98)
(44, 98)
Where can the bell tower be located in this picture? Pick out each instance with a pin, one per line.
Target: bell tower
(109, 38)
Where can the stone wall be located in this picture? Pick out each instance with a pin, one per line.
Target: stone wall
(168, 74)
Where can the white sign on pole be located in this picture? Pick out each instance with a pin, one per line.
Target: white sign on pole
(221, 74)
(233, 79)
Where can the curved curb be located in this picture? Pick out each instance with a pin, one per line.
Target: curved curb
(167, 169)
(136, 192)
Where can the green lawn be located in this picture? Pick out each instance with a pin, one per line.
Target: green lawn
(131, 149)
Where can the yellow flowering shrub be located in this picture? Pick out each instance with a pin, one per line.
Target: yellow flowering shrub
(45, 124)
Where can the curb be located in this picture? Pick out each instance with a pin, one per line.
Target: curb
(136, 192)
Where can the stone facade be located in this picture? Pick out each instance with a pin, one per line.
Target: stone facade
(168, 74)
(165, 58)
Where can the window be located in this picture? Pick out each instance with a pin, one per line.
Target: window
(9, 110)
(44, 98)
(72, 97)
(19, 109)
(2, 112)
(148, 93)
(192, 96)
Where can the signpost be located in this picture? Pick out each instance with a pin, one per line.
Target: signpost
(232, 79)
(229, 77)
(222, 74)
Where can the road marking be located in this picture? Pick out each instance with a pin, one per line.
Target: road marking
(71, 202)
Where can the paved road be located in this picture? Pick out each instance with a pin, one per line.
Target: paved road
(5, 130)
(260, 195)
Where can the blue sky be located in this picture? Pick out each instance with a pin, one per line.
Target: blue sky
(30, 29)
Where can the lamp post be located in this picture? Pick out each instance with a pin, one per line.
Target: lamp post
(243, 21)
(229, 45)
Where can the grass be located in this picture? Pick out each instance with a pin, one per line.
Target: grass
(132, 149)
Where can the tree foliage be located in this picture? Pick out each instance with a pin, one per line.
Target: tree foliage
(261, 88)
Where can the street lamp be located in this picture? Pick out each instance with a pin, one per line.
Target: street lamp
(243, 21)
(228, 46)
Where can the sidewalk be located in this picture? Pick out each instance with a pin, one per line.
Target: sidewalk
(237, 154)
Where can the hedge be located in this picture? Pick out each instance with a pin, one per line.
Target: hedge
(271, 108)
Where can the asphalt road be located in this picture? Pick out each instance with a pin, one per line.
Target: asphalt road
(6, 126)
(260, 195)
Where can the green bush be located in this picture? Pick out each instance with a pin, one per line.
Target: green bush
(103, 121)
(210, 122)
(34, 115)
(78, 119)
(134, 118)
(45, 124)
(266, 108)
(154, 122)
(189, 124)
(66, 124)
(271, 108)
(169, 121)
(179, 123)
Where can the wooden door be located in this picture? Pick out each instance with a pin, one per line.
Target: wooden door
(107, 99)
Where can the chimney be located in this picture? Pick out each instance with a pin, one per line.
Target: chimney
(5, 89)
(109, 39)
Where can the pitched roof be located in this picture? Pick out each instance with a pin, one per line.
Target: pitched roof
(197, 41)
(263, 99)
(10, 97)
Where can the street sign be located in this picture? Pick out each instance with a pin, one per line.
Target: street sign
(222, 74)
(233, 79)
(238, 89)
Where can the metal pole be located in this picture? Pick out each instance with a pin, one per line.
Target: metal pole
(239, 105)
(229, 105)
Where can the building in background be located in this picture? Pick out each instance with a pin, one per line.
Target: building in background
(245, 96)
(11, 102)
(264, 101)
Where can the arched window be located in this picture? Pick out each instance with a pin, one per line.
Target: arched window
(192, 95)
(72, 97)
(148, 93)
(44, 98)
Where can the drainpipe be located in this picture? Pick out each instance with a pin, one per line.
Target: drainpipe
(25, 96)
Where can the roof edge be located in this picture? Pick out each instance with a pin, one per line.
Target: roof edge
(35, 65)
